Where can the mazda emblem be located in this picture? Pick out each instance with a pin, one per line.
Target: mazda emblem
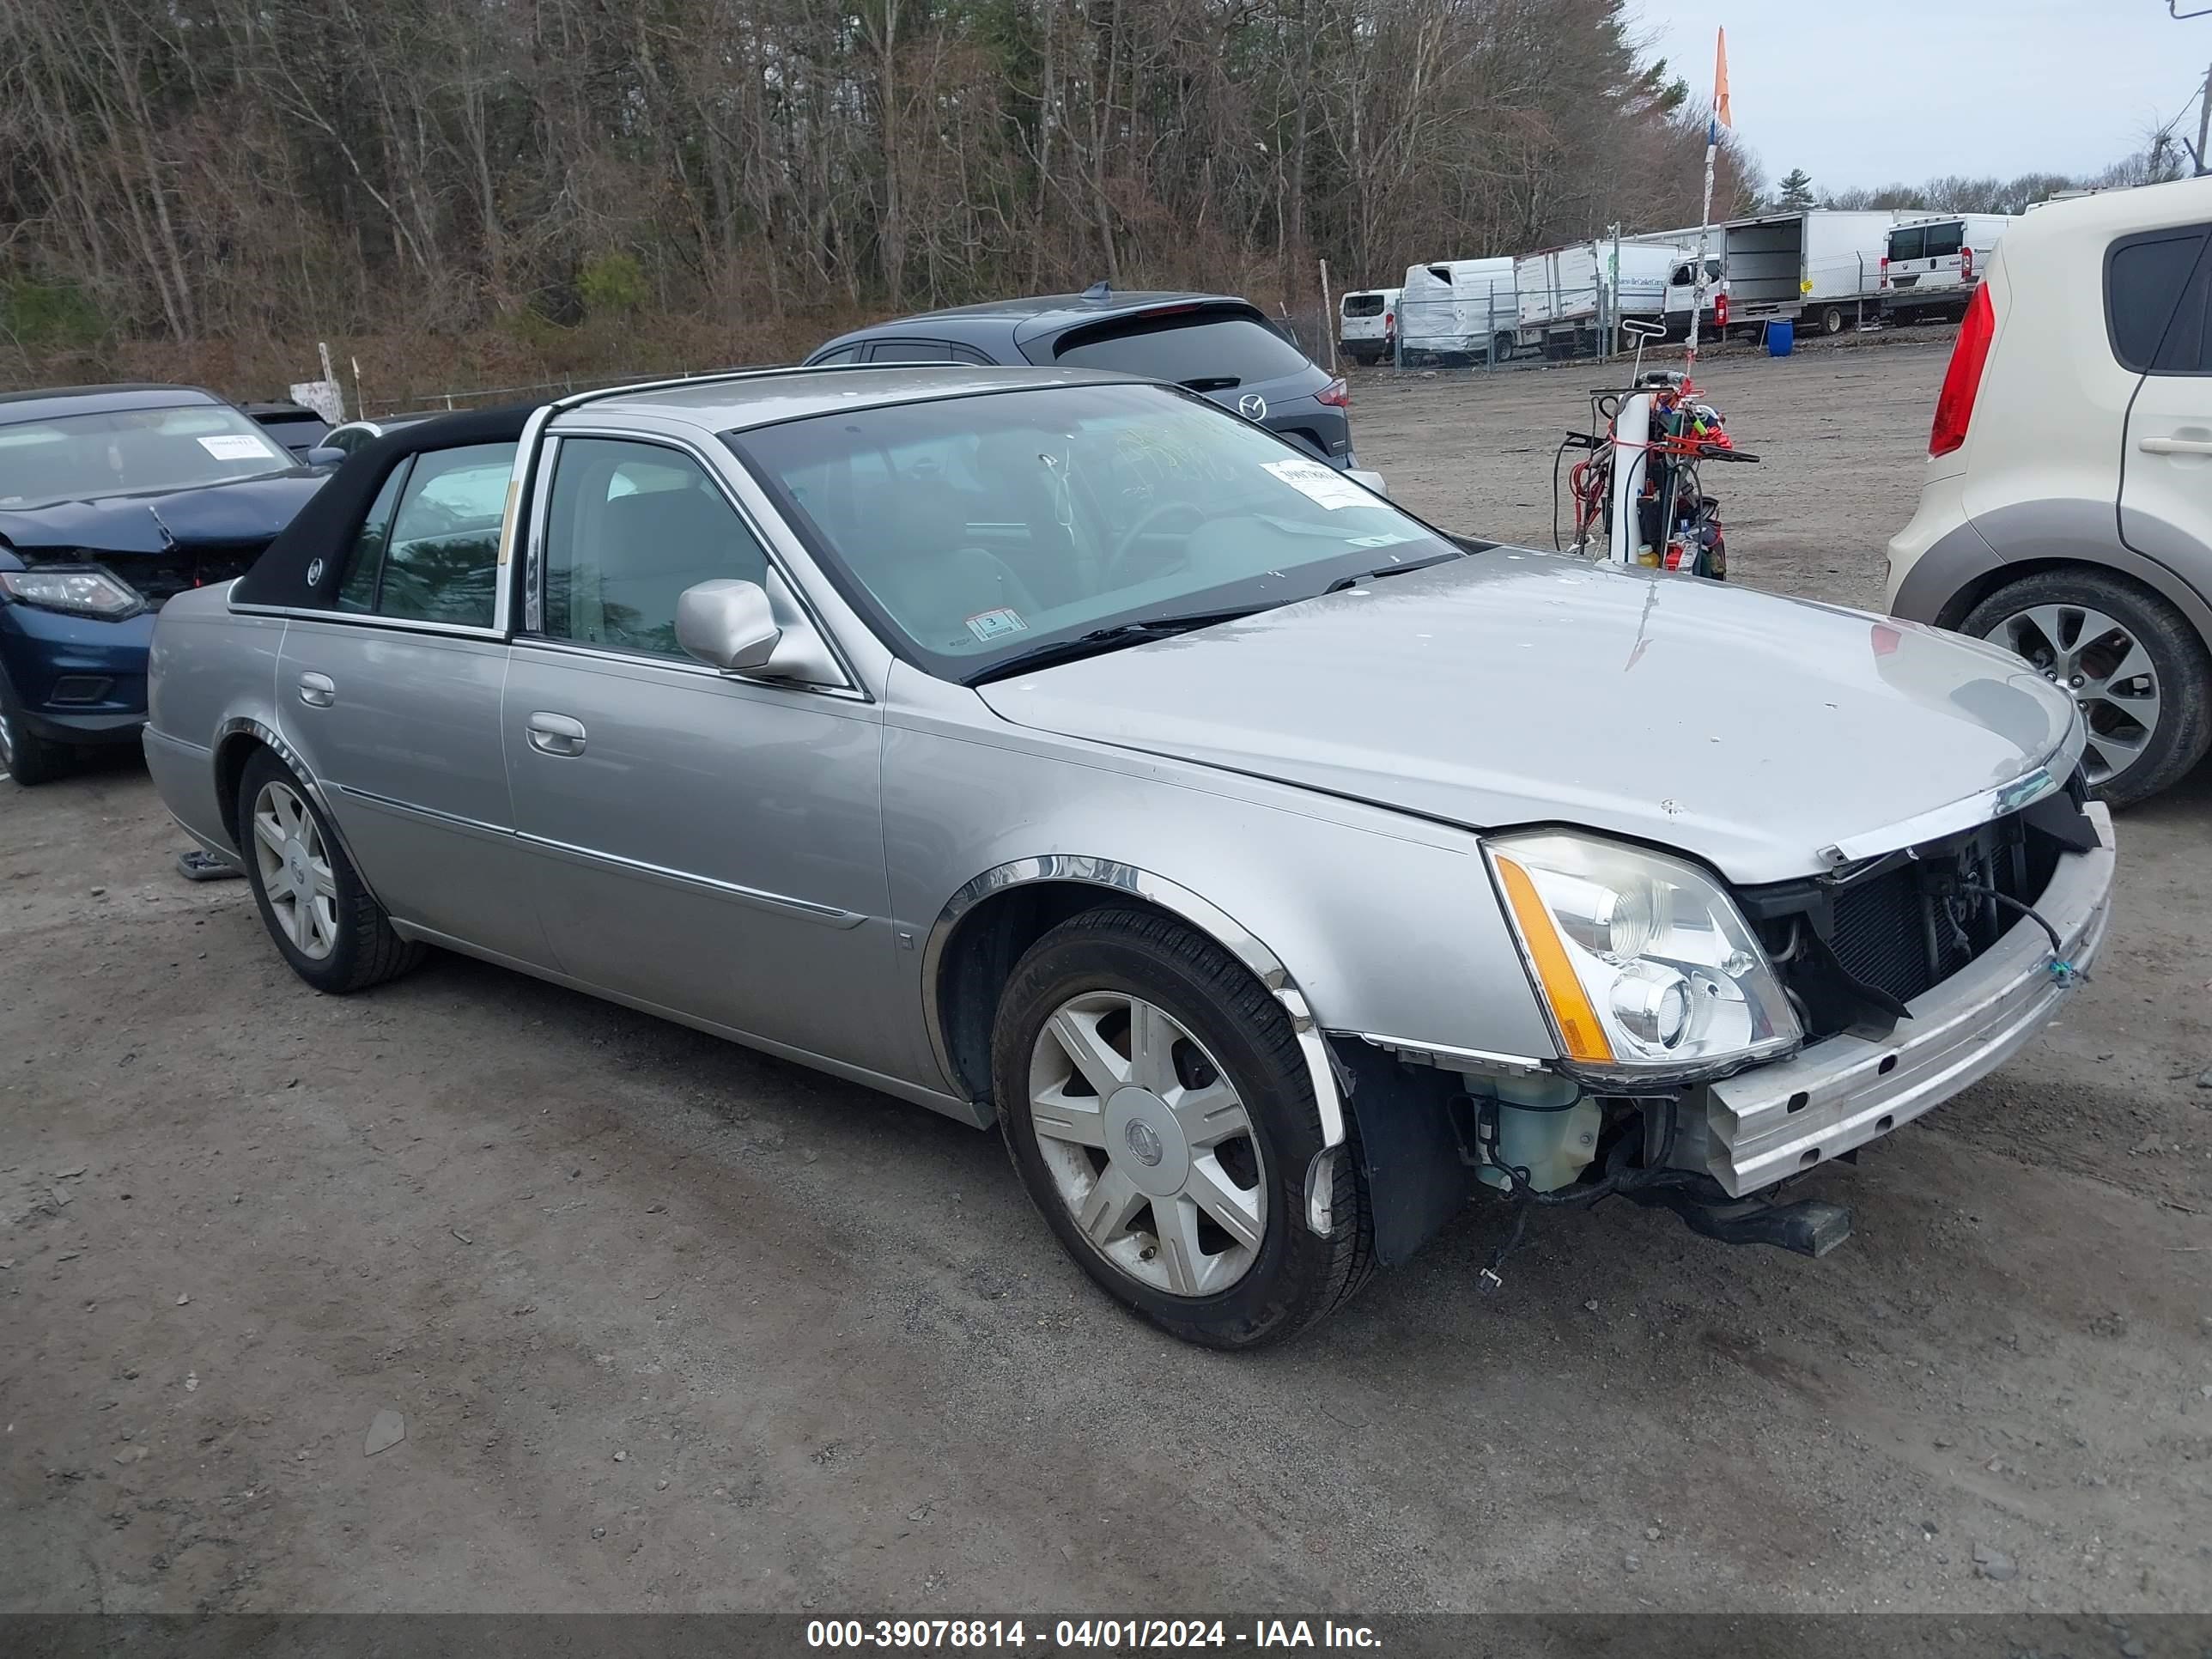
(1252, 406)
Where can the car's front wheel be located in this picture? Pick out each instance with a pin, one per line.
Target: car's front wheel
(2130, 661)
(24, 755)
(327, 924)
(1156, 1102)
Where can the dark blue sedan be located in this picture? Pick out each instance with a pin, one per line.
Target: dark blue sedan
(1216, 344)
(112, 499)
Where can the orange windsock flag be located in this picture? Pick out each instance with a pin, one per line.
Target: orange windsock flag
(1720, 83)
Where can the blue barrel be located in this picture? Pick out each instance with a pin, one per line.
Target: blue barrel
(1781, 339)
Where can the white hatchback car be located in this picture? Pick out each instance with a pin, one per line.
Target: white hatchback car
(2067, 507)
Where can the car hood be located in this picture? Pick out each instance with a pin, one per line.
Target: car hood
(1515, 687)
(233, 514)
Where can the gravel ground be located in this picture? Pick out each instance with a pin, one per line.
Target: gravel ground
(672, 1327)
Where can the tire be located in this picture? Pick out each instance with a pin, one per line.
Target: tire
(29, 759)
(2072, 625)
(307, 883)
(1832, 320)
(1229, 1051)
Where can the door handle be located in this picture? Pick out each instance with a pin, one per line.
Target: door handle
(556, 734)
(318, 691)
(2176, 445)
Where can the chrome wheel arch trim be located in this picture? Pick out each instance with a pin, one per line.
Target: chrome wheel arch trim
(1110, 875)
(246, 726)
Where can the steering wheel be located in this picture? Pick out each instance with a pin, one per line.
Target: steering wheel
(1144, 527)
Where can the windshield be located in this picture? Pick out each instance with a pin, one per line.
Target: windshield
(974, 530)
(131, 451)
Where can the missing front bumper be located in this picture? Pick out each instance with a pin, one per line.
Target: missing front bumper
(1771, 1122)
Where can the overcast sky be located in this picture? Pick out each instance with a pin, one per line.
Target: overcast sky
(1869, 92)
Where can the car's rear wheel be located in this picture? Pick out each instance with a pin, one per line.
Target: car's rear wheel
(1156, 1102)
(24, 755)
(2130, 661)
(327, 925)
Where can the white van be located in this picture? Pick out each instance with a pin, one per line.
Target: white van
(1367, 324)
(1931, 267)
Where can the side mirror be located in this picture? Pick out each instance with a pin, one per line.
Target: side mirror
(324, 455)
(758, 630)
(727, 625)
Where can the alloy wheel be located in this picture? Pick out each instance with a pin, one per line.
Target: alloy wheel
(1148, 1143)
(2100, 664)
(295, 871)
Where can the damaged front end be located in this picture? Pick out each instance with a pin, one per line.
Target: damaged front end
(1908, 977)
(81, 582)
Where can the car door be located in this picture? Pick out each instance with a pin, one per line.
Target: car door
(2157, 292)
(1942, 259)
(1902, 265)
(701, 843)
(393, 700)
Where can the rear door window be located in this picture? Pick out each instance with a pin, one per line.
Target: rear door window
(1905, 245)
(909, 351)
(1363, 305)
(1208, 350)
(441, 556)
(2155, 299)
(365, 563)
(1943, 241)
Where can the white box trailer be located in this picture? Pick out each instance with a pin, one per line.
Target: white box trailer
(1568, 296)
(1822, 266)
(1455, 310)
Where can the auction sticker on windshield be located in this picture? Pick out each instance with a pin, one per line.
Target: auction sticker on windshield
(236, 446)
(1319, 483)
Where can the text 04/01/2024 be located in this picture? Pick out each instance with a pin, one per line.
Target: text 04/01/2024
(1113, 1635)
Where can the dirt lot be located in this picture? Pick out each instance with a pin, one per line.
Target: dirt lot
(673, 1327)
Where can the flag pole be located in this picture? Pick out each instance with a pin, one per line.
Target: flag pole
(1719, 113)
(1704, 241)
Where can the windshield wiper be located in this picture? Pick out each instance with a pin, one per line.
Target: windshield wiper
(1343, 582)
(1100, 640)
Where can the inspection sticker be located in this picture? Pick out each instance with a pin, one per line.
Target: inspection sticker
(1320, 483)
(234, 446)
(994, 624)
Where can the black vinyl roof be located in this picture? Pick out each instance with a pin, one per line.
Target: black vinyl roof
(317, 540)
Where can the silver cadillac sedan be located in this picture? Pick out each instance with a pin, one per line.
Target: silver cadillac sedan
(1060, 752)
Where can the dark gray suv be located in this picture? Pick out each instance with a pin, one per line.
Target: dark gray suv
(1216, 344)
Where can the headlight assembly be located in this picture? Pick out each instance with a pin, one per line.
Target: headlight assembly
(81, 590)
(1643, 962)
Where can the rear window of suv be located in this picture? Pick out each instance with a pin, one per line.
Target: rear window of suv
(1211, 348)
(2145, 277)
